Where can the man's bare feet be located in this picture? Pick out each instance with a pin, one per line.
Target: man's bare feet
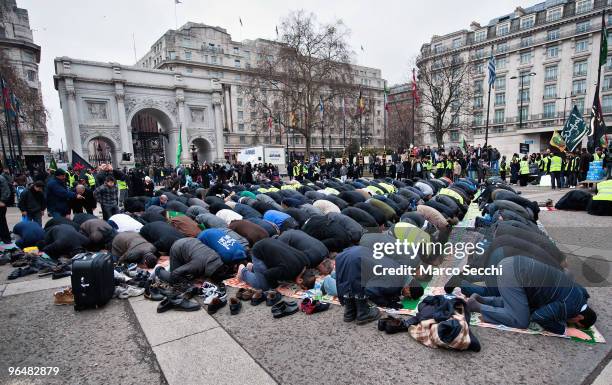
(473, 305)
(477, 297)
(239, 273)
(249, 266)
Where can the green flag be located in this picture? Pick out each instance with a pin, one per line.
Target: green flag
(558, 141)
(464, 144)
(52, 164)
(603, 45)
(179, 147)
(574, 129)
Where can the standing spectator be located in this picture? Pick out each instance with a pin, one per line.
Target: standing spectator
(88, 203)
(585, 159)
(108, 197)
(149, 186)
(32, 203)
(5, 194)
(58, 195)
(502, 168)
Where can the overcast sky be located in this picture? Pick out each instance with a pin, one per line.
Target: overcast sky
(391, 31)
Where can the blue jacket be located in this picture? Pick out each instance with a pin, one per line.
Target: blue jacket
(58, 196)
(29, 232)
(154, 201)
(227, 247)
(276, 217)
(355, 276)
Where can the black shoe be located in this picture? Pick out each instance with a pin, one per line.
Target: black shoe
(272, 297)
(152, 293)
(365, 312)
(216, 304)
(395, 325)
(284, 308)
(235, 306)
(257, 298)
(350, 309)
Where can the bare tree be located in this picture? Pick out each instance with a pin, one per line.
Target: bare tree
(445, 93)
(32, 110)
(309, 63)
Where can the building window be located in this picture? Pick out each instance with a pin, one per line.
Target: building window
(240, 126)
(583, 6)
(477, 119)
(479, 68)
(549, 110)
(527, 21)
(553, 34)
(226, 139)
(213, 59)
(437, 48)
(503, 29)
(499, 116)
(187, 55)
(237, 63)
(607, 83)
(502, 47)
(582, 45)
(189, 70)
(31, 75)
(457, 42)
(500, 83)
(550, 91)
(236, 50)
(480, 35)
(479, 53)
(478, 86)
(579, 103)
(554, 14)
(500, 98)
(525, 58)
(524, 96)
(278, 140)
(609, 63)
(454, 136)
(242, 140)
(253, 128)
(606, 103)
(550, 73)
(526, 41)
(240, 115)
(501, 63)
(552, 51)
(523, 113)
(579, 87)
(580, 68)
(478, 102)
(172, 55)
(583, 26)
(239, 102)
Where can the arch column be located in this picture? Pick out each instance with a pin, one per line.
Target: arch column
(126, 138)
(218, 119)
(172, 143)
(74, 139)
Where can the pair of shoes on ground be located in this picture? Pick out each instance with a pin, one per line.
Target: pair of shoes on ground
(63, 297)
(178, 303)
(254, 295)
(22, 272)
(359, 310)
(284, 308)
(310, 306)
(124, 292)
(391, 325)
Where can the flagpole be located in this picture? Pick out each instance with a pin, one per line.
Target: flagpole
(385, 117)
(488, 108)
(17, 110)
(343, 126)
(603, 29)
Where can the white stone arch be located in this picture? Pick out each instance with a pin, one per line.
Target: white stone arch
(166, 118)
(205, 148)
(114, 143)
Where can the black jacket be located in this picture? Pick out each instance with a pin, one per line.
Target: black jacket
(161, 235)
(314, 249)
(283, 262)
(32, 202)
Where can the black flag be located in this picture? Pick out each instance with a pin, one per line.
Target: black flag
(597, 127)
(78, 163)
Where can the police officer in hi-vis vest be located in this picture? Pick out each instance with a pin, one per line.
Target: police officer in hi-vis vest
(554, 169)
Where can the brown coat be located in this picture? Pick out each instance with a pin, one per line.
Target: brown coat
(187, 226)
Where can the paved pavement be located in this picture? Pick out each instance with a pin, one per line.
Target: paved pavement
(128, 342)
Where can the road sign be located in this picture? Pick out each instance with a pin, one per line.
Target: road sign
(524, 148)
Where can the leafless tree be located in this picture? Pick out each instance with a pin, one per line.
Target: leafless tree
(308, 63)
(445, 94)
(32, 110)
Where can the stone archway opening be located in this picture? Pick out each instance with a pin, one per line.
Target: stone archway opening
(202, 150)
(101, 151)
(150, 129)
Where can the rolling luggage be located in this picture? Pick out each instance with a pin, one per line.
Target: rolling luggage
(92, 280)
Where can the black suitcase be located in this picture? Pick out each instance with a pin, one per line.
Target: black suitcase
(92, 280)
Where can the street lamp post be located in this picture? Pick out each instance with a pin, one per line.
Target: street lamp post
(564, 105)
(521, 78)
